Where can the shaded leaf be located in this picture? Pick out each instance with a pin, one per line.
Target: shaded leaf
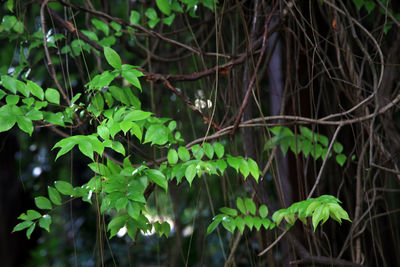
(52, 95)
(172, 156)
(54, 195)
(43, 203)
(64, 188)
(45, 222)
(112, 58)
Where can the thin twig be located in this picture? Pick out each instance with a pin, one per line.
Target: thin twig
(324, 162)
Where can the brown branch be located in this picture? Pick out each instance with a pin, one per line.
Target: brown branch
(253, 78)
(138, 27)
(47, 53)
(307, 258)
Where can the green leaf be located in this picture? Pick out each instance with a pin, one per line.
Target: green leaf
(45, 222)
(250, 206)
(257, 223)
(28, 102)
(216, 221)
(8, 22)
(137, 115)
(229, 224)
(97, 104)
(125, 126)
(172, 126)
(54, 195)
(312, 207)
(387, 28)
(134, 18)
(249, 221)
(12, 99)
(166, 228)
(337, 212)
(102, 80)
(157, 177)
(263, 211)
(64, 188)
(316, 151)
(151, 13)
(306, 147)
(52, 95)
(10, 5)
(337, 147)
(278, 216)
(197, 152)
(43, 203)
(34, 114)
(168, 20)
(2, 94)
(240, 205)
(22, 225)
(19, 27)
(176, 7)
(100, 168)
(35, 89)
(32, 215)
(115, 26)
(221, 165)
(130, 76)
(369, 6)
(183, 154)
(55, 118)
(208, 150)
(229, 211)
(172, 156)
(25, 124)
(112, 58)
(75, 98)
(266, 223)
(133, 209)
(253, 167)
(116, 224)
(323, 140)
(164, 6)
(103, 132)
(8, 82)
(136, 131)
(6, 122)
(91, 35)
(66, 145)
(190, 173)
(318, 216)
(121, 203)
(30, 230)
(156, 134)
(219, 150)
(100, 25)
(240, 224)
(234, 162)
(359, 3)
(341, 159)
(244, 168)
(152, 23)
(86, 148)
(118, 147)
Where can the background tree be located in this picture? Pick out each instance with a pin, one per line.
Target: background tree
(144, 104)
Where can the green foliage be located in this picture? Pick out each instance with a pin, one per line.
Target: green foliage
(111, 106)
(370, 6)
(307, 142)
(121, 188)
(319, 209)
